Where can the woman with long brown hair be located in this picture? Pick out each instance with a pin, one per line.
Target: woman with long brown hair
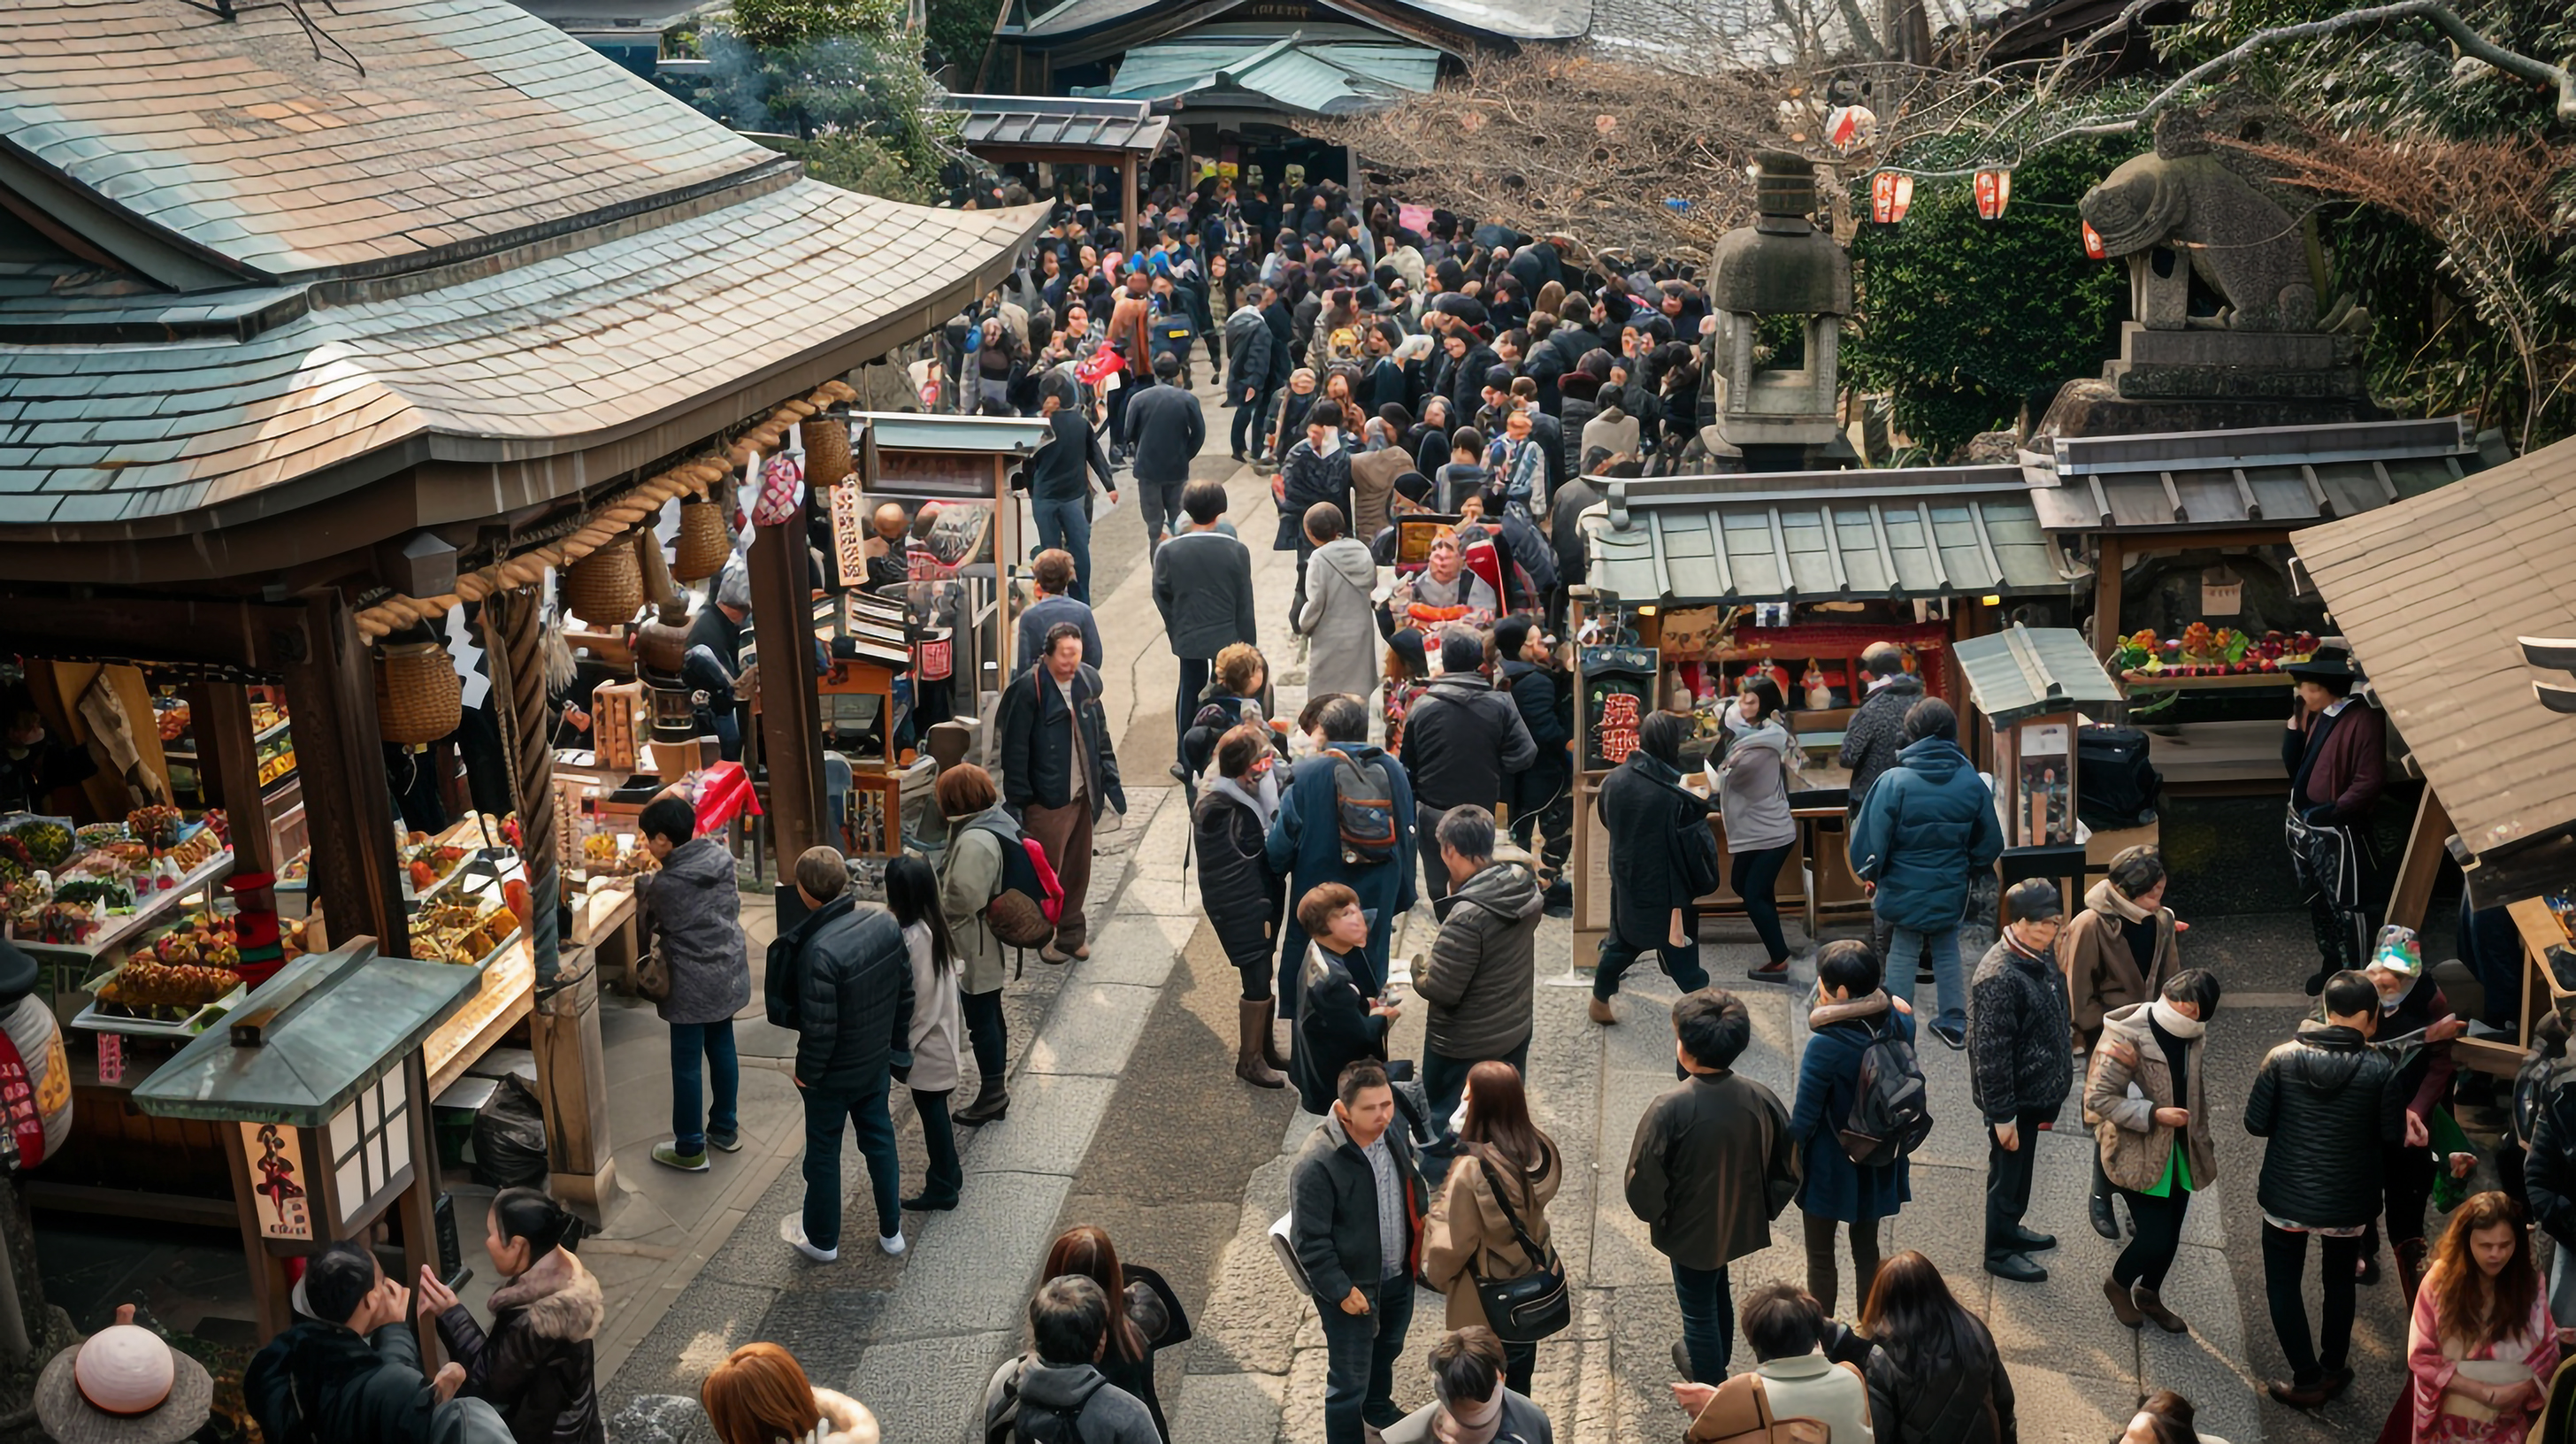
(1146, 1316)
(1935, 1376)
(1502, 1158)
(2481, 1348)
(760, 1395)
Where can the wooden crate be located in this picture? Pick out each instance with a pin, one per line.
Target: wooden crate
(617, 723)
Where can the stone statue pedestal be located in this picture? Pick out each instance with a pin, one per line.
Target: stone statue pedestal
(2208, 379)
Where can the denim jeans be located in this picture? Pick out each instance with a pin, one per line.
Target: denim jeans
(1708, 1321)
(711, 1045)
(986, 1032)
(1906, 947)
(1680, 964)
(945, 1175)
(1360, 1353)
(1444, 1081)
(1067, 524)
(826, 1110)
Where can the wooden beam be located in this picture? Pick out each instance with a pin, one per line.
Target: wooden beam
(348, 804)
(2107, 568)
(2423, 862)
(253, 636)
(228, 766)
(791, 714)
(1127, 197)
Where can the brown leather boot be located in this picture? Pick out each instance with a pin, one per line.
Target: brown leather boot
(2153, 1306)
(2410, 1267)
(1253, 1030)
(1271, 1053)
(1600, 1012)
(2124, 1306)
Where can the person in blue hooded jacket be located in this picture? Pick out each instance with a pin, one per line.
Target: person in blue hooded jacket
(1926, 826)
(1305, 846)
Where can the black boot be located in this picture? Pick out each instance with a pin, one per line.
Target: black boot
(992, 1100)
(2105, 1221)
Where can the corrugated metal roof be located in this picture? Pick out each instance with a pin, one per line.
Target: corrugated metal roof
(2432, 593)
(1314, 76)
(1910, 533)
(474, 120)
(532, 361)
(2272, 476)
(1128, 125)
(2024, 673)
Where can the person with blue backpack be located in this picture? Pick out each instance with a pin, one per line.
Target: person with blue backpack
(1849, 1018)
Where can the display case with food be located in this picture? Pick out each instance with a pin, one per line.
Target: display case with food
(160, 999)
(478, 912)
(2205, 656)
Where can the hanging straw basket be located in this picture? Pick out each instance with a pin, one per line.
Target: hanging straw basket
(607, 586)
(419, 697)
(827, 450)
(703, 545)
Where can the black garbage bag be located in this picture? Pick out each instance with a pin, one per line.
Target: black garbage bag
(510, 1138)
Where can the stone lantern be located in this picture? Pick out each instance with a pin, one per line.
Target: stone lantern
(1778, 418)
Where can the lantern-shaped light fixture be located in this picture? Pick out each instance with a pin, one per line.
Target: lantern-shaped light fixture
(1890, 196)
(1850, 125)
(2093, 246)
(1994, 193)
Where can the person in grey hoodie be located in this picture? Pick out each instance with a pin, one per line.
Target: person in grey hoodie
(1478, 976)
(1753, 799)
(694, 904)
(1056, 1378)
(1339, 616)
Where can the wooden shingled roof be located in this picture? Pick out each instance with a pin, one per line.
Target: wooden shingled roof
(497, 262)
(474, 120)
(2432, 593)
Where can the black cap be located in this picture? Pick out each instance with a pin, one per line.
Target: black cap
(2032, 900)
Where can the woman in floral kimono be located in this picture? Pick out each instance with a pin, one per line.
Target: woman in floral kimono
(2482, 1346)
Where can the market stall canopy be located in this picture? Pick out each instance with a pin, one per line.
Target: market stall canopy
(988, 435)
(1500, 19)
(326, 1026)
(2286, 476)
(1315, 73)
(253, 281)
(1811, 536)
(997, 125)
(2434, 595)
(2025, 673)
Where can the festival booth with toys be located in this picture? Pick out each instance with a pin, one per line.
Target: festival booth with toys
(1698, 583)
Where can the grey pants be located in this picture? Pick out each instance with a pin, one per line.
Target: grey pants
(1159, 502)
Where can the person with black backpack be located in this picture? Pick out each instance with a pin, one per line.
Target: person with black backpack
(1853, 1091)
(1347, 817)
(1054, 1393)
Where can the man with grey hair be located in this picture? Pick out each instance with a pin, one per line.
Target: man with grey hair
(1478, 975)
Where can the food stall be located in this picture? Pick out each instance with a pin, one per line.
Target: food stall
(1699, 582)
(2191, 536)
(2461, 612)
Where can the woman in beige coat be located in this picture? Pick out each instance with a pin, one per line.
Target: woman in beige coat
(2149, 1112)
(1469, 1235)
(2117, 952)
(978, 828)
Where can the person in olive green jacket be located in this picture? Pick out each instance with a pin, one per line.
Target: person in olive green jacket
(979, 828)
(1712, 1165)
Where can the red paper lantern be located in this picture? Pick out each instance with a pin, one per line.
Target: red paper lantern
(1994, 193)
(1890, 195)
(2093, 246)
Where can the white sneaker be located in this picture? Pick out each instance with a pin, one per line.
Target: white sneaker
(792, 1230)
(893, 1245)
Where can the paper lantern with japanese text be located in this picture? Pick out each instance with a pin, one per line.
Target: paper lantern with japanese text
(1994, 193)
(1890, 196)
(2093, 246)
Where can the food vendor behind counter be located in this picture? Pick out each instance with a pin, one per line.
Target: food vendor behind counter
(32, 765)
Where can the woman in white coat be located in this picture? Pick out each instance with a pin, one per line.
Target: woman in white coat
(1340, 616)
(938, 1023)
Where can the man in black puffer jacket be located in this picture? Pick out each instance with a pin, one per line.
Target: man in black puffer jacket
(2018, 1067)
(2330, 1104)
(842, 978)
(1461, 739)
(1542, 796)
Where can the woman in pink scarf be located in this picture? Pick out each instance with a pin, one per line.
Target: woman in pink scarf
(2482, 1346)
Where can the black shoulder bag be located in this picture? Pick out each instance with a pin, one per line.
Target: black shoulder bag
(1535, 1305)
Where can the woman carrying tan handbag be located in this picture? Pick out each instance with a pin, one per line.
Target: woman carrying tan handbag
(1470, 1236)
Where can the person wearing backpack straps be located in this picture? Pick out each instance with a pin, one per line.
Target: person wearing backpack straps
(2144, 1099)
(1850, 1013)
(979, 827)
(1059, 772)
(1055, 1393)
(1310, 844)
(1795, 1395)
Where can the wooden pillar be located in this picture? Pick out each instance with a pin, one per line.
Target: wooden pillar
(1127, 196)
(511, 638)
(418, 1204)
(348, 805)
(2423, 862)
(791, 715)
(269, 1288)
(2106, 595)
(228, 769)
